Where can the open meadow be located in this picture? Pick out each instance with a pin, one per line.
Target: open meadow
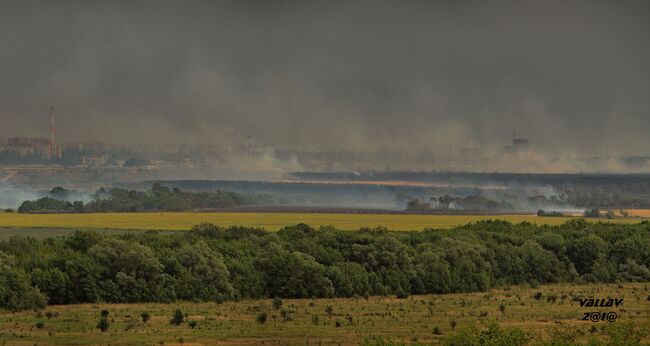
(175, 221)
(426, 319)
(380, 278)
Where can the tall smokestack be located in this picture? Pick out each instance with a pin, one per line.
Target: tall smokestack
(52, 146)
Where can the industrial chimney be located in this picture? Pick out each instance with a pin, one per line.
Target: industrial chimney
(52, 145)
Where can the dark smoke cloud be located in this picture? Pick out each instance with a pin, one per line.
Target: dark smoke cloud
(571, 75)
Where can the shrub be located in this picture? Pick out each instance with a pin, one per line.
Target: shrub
(177, 318)
(262, 317)
(624, 334)
(562, 337)
(145, 317)
(493, 335)
(277, 303)
(103, 324)
(286, 315)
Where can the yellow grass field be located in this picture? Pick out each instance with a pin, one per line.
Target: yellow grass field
(268, 221)
(639, 212)
(410, 320)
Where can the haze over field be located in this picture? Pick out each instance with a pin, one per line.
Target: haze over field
(373, 172)
(573, 77)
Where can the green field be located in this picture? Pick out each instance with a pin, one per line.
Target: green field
(410, 320)
(268, 221)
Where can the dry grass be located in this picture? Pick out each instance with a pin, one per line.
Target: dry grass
(268, 221)
(639, 212)
(409, 320)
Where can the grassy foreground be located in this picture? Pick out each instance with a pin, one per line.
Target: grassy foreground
(422, 319)
(268, 221)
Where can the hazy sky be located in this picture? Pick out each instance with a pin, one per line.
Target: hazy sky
(570, 75)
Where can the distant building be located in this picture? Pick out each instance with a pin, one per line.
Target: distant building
(28, 142)
(29, 146)
(506, 151)
(94, 161)
(520, 149)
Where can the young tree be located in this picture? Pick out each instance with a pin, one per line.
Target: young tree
(145, 317)
(177, 318)
(103, 323)
(277, 303)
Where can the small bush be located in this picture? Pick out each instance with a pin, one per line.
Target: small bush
(40, 325)
(145, 317)
(177, 318)
(493, 335)
(262, 317)
(277, 303)
(103, 324)
(562, 337)
(286, 315)
(623, 333)
(192, 324)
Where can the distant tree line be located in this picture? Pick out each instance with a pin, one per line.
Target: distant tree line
(609, 213)
(625, 195)
(450, 203)
(159, 198)
(210, 263)
(543, 212)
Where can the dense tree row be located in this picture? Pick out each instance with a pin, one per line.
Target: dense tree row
(215, 264)
(448, 203)
(159, 198)
(49, 204)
